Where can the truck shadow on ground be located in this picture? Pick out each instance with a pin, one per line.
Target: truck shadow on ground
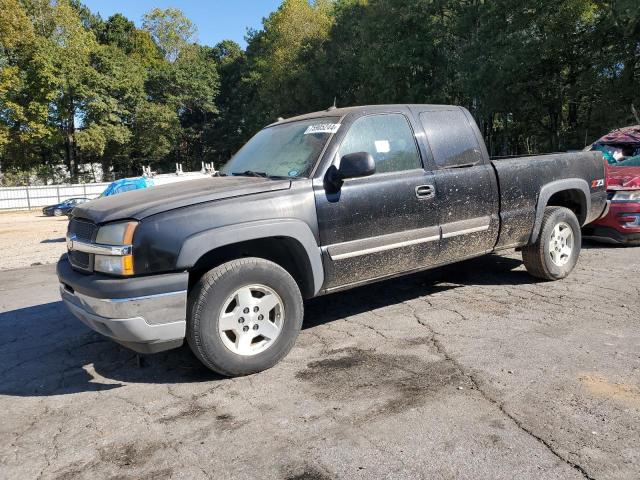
(589, 244)
(486, 270)
(45, 351)
(54, 240)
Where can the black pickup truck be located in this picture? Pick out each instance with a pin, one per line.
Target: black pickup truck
(311, 205)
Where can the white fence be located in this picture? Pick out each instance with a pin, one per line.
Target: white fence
(28, 198)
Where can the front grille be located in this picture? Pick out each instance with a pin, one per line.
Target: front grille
(86, 231)
(82, 229)
(80, 259)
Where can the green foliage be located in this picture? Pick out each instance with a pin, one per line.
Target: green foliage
(26, 77)
(227, 132)
(277, 56)
(171, 31)
(156, 130)
(118, 31)
(538, 75)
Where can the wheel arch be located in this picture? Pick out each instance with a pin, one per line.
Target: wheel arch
(289, 243)
(571, 193)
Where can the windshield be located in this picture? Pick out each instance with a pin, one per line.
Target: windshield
(287, 150)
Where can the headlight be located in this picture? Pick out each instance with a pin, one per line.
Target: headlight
(117, 234)
(626, 196)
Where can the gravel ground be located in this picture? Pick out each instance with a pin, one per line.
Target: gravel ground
(471, 371)
(32, 238)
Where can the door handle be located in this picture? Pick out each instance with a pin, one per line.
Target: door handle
(425, 191)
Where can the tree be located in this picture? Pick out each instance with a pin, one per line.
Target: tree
(538, 75)
(276, 55)
(70, 47)
(118, 31)
(615, 50)
(26, 82)
(156, 129)
(228, 131)
(529, 83)
(122, 33)
(116, 83)
(171, 31)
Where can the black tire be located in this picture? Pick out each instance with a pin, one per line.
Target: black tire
(537, 258)
(207, 298)
(57, 212)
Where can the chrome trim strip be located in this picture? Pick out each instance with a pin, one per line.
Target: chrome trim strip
(98, 249)
(465, 231)
(382, 248)
(463, 227)
(144, 297)
(381, 243)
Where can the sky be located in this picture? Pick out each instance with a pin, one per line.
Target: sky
(216, 19)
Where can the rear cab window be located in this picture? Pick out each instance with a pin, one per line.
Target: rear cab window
(451, 138)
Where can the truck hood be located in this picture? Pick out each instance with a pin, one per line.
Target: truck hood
(138, 204)
(623, 178)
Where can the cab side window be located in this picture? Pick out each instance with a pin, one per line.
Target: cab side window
(450, 138)
(388, 138)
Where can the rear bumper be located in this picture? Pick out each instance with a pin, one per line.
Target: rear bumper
(146, 314)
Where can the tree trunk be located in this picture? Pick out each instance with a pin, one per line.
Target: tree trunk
(70, 142)
(505, 138)
(553, 128)
(71, 158)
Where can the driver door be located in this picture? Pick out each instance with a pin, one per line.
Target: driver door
(386, 223)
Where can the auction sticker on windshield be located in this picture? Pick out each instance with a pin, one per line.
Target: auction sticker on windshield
(322, 128)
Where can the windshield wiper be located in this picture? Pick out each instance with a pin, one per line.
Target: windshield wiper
(250, 173)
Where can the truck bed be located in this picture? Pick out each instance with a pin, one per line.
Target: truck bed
(522, 180)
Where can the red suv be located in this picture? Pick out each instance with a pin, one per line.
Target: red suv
(621, 149)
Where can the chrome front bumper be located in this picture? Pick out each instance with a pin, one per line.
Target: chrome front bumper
(146, 324)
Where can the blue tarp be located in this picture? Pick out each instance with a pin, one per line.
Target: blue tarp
(127, 184)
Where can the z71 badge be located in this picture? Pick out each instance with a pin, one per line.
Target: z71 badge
(597, 183)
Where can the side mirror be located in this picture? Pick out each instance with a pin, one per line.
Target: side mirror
(352, 165)
(358, 164)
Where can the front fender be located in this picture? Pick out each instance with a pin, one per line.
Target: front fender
(197, 245)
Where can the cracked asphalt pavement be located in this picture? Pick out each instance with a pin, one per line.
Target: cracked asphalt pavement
(471, 371)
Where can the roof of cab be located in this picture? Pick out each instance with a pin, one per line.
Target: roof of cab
(341, 112)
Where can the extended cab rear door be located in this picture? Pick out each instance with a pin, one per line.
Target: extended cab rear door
(466, 185)
(385, 223)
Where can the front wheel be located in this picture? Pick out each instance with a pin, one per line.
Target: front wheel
(244, 316)
(554, 255)
(57, 212)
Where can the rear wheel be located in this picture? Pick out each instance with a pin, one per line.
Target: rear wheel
(244, 316)
(555, 253)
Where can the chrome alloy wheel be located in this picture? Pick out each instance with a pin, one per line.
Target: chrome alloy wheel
(561, 244)
(251, 319)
